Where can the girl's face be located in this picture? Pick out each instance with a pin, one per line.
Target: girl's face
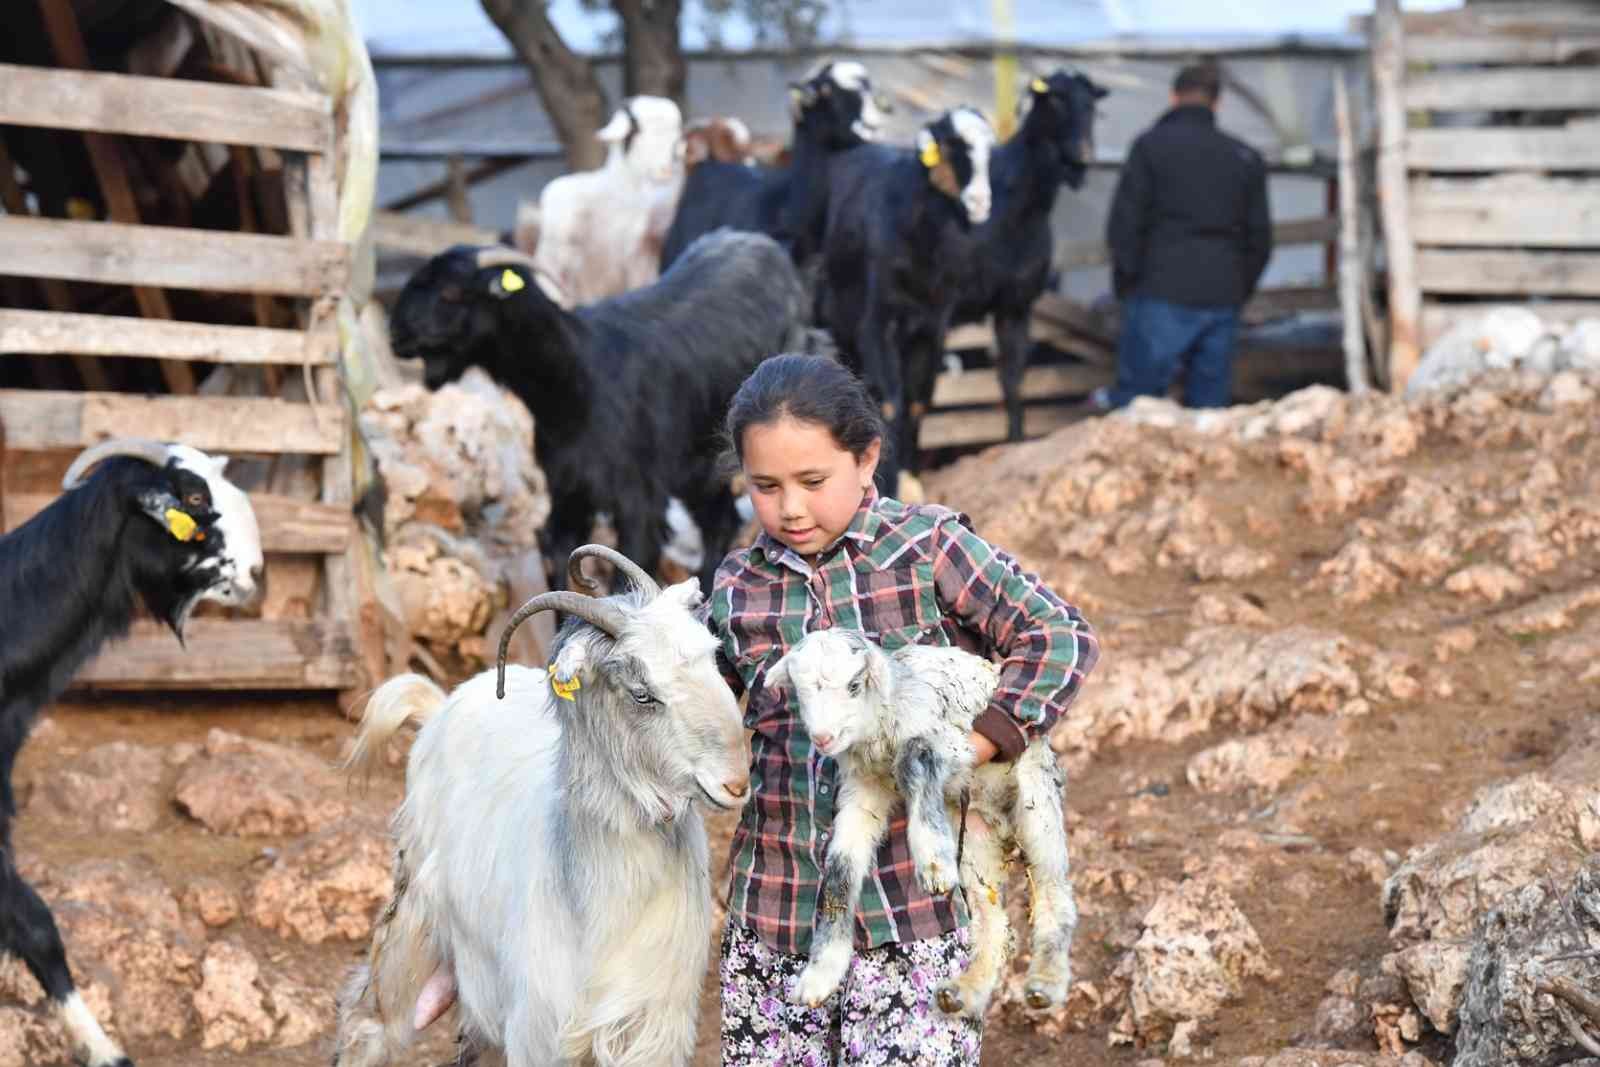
(804, 486)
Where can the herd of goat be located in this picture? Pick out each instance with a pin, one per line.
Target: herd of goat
(852, 246)
(552, 869)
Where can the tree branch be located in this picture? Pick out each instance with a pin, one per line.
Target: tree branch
(567, 85)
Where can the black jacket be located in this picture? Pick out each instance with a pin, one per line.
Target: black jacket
(1190, 223)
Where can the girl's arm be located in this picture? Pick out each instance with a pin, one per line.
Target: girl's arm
(1046, 647)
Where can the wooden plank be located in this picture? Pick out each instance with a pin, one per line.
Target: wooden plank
(226, 654)
(946, 429)
(425, 237)
(1439, 318)
(1500, 48)
(119, 254)
(39, 420)
(289, 525)
(182, 109)
(111, 173)
(1496, 148)
(1352, 278)
(1405, 296)
(1268, 304)
(1319, 229)
(48, 332)
(1538, 18)
(1522, 212)
(1441, 270)
(1530, 88)
(982, 385)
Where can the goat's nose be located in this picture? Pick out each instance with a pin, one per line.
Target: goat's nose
(257, 571)
(737, 788)
(823, 740)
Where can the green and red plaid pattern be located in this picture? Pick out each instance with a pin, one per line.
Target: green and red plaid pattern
(903, 574)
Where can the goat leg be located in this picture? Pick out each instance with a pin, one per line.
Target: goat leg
(863, 818)
(921, 774)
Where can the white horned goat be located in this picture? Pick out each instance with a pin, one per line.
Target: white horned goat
(595, 226)
(139, 522)
(898, 725)
(551, 868)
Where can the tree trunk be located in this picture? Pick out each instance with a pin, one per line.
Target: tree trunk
(567, 85)
(654, 63)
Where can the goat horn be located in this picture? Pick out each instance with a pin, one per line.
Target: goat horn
(140, 447)
(500, 256)
(635, 573)
(601, 613)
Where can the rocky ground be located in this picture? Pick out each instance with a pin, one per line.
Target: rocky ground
(1345, 714)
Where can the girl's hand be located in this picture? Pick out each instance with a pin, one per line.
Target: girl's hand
(983, 749)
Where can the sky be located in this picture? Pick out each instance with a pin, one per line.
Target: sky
(460, 26)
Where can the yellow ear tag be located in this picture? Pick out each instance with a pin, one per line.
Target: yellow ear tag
(180, 525)
(1039, 85)
(511, 281)
(564, 690)
(930, 155)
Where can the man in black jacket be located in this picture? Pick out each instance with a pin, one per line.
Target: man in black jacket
(1190, 234)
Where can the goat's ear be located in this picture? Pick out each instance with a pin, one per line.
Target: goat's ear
(686, 592)
(508, 281)
(569, 662)
(778, 673)
(167, 511)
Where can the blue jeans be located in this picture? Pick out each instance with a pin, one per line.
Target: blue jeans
(1158, 337)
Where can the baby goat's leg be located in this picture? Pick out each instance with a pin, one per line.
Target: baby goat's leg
(983, 877)
(857, 831)
(920, 774)
(1039, 823)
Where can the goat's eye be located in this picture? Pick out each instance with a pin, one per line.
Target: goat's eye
(642, 696)
(195, 500)
(855, 688)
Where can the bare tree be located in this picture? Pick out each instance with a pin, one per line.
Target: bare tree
(650, 41)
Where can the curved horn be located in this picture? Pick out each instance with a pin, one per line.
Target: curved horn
(153, 452)
(501, 256)
(602, 613)
(635, 573)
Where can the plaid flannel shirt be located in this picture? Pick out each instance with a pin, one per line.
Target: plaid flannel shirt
(903, 574)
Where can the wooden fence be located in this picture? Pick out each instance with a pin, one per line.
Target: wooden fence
(307, 263)
(1498, 212)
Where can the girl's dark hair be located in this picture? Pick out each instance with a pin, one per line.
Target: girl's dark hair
(806, 388)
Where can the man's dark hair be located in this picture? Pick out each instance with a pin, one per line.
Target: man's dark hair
(1199, 79)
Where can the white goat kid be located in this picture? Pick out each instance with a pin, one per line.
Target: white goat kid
(594, 226)
(898, 725)
(549, 855)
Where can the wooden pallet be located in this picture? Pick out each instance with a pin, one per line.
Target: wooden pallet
(308, 264)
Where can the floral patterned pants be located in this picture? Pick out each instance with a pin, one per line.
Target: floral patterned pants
(882, 1014)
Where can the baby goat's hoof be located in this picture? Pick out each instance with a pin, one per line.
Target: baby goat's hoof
(1041, 996)
(936, 879)
(949, 999)
(815, 987)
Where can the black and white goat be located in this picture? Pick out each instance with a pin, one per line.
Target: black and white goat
(627, 394)
(155, 524)
(833, 108)
(1009, 265)
(552, 870)
(898, 725)
(898, 233)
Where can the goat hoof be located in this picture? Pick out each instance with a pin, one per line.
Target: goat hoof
(934, 881)
(1043, 996)
(949, 998)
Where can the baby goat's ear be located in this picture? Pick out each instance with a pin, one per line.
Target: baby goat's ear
(778, 673)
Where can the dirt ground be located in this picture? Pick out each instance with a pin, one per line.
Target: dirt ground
(1411, 766)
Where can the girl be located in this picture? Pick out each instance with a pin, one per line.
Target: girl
(834, 553)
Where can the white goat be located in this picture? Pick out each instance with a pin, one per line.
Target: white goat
(594, 226)
(898, 724)
(548, 853)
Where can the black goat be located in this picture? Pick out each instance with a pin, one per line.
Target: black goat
(627, 394)
(156, 524)
(899, 231)
(1009, 267)
(834, 108)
